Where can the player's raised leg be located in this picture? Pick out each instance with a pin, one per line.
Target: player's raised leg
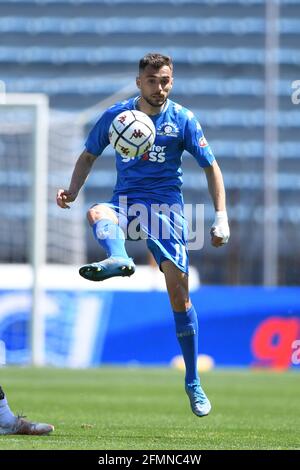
(186, 324)
(11, 424)
(110, 236)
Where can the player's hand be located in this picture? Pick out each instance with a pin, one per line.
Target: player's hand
(63, 197)
(220, 231)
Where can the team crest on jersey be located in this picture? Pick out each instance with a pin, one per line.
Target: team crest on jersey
(168, 129)
(203, 142)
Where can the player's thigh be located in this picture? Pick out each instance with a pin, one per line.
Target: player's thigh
(102, 211)
(167, 238)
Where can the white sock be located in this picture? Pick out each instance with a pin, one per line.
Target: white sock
(7, 418)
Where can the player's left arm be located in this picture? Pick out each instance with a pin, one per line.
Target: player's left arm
(197, 145)
(220, 229)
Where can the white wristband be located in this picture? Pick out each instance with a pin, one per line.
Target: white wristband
(221, 216)
(220, 227)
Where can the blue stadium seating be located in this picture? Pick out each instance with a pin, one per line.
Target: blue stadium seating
(81, 51)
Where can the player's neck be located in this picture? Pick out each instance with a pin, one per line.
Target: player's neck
(146, 108)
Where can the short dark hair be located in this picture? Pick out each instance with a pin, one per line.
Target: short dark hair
(155, 60)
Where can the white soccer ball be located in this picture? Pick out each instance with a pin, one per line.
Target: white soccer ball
(132, 133)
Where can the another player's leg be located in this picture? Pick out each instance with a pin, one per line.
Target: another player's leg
(111, 237)
(186, 324)
(11, 424)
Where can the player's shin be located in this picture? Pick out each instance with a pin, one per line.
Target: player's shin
(187, 334)
(111, 237)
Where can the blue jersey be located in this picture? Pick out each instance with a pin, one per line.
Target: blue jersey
(158, 172)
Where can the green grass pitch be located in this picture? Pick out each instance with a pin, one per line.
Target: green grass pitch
(146, 408)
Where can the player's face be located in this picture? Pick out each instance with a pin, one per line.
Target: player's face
(155, 85)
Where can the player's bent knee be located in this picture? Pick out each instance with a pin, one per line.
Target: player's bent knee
(99, 212)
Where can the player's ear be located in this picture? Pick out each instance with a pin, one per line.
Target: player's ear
(138, 82)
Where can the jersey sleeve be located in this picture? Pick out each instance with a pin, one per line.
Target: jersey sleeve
(97, 139)
(196, 144)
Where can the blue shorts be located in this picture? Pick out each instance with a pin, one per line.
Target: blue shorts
(162, 225)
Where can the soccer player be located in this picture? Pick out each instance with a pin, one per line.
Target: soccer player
(11, 424)
(152, 180)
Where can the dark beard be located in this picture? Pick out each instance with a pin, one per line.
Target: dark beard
(155, 105)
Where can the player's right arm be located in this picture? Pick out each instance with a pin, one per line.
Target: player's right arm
(80, 173)
(96, 142)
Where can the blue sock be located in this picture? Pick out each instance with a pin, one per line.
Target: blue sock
(111, 237)
(7, 418)
(187, 334)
